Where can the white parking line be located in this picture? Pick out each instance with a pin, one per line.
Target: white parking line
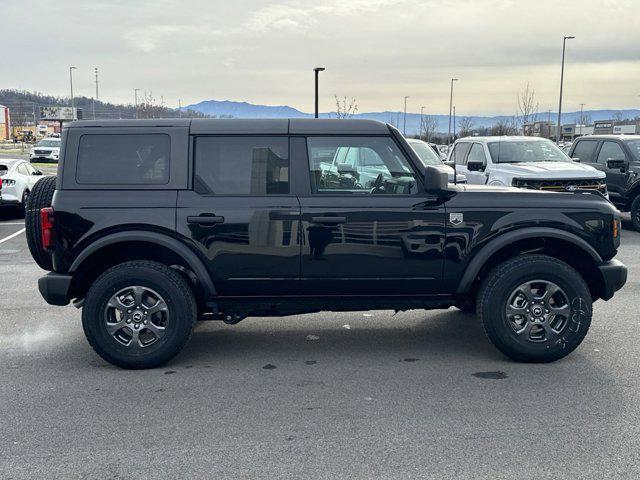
(12, 235)
(11, 223)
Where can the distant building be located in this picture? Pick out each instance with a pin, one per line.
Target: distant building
(5, 125)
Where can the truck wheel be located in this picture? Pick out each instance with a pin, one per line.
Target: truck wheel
(40, 197)
(139, 314)
(635, 213)
(535, 308)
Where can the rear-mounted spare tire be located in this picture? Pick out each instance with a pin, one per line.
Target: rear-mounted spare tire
(40, 197)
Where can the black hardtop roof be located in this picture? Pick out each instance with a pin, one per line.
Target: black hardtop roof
(238, 126)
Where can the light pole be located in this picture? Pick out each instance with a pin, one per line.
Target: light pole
(564, 42)
(454, 122)
(73, 110)
(404, 121)
(135, 93)
(317, 71)
(450, 109)
(421, 120)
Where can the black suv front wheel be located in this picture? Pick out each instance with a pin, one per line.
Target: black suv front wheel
(535, 308)
(139, 314)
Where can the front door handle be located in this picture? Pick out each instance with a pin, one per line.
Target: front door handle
(333, 220)
(205, 219)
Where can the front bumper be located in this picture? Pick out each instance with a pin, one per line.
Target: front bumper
(54, 288)
(614, 276)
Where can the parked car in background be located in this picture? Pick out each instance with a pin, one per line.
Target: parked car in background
(524, 162)
(17, 178)
(46, 150)
(618, 156)
(429, 156)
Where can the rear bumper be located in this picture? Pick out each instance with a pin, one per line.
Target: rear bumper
(614, 276)
(54, 288)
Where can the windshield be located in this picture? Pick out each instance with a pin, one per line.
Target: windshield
(526, 151)
(49, 143)
(634, 146)
(426, 153)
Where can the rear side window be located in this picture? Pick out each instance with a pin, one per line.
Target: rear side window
(128, 159)
(241, 165)
(584, 150)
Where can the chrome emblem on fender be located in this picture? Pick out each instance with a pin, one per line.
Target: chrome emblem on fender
(456, 218)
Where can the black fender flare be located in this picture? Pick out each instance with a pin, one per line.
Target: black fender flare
(194, 262)
(481, 257)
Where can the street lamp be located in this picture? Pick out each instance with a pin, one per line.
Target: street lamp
(404, 121)
(450, 110)
(421, 120)
(135, 94)
(564, 42)
(317, 70)
(73, 110)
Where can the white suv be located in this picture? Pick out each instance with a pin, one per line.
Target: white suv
(17, 178)
(524, 162)
(47, 149)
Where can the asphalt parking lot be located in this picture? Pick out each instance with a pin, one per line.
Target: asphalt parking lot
(355, 395)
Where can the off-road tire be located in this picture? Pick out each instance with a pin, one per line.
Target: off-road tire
(40, 197)
(169, 284)
(635, 213)
(495, 293)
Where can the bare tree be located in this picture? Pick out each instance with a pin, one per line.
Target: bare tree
(345, 108)
(527, 106)
(505, 126)
(618, 117)
(428, 126)
(466, 126)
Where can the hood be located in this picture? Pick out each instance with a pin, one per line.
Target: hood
(549, 170)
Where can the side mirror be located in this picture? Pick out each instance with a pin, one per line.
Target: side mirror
(475, 166)
(576, 159)
(450, 163)
(435, 179)
(38, 172)
(616, 163)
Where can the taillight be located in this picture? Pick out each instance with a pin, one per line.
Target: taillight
(46, 228)
(0, 183)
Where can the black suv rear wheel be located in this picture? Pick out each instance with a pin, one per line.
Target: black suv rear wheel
(535, 308)
(139, 314)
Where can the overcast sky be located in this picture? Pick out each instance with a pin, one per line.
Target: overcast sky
(377, 51)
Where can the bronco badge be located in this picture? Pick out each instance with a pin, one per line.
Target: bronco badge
(456, 218)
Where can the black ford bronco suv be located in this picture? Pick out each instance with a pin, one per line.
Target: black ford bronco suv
(152, 225)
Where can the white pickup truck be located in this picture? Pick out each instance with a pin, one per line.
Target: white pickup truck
(524, 162)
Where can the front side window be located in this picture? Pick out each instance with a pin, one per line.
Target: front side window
(241, 165)
(585, 150)
(634, 146)
(359, 165)
(123, 159)
(610, 151)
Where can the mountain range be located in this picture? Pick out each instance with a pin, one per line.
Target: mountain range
(234, 109)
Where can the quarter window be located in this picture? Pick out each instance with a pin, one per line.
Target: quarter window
(610, 150)
(359, 165)
(241, 165)
(130, 159)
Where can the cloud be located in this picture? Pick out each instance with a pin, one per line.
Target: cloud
(146, 39)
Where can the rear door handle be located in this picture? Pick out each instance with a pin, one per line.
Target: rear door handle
(333, 220)
(205, 219)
